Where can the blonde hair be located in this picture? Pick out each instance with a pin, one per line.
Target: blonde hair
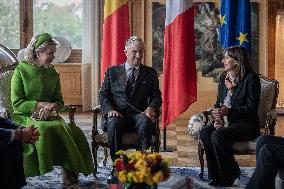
(31, 50)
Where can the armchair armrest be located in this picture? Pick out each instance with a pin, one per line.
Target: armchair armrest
(270, 122)
(71, 111)
(4, 112)
(208, 116)
(198, 121)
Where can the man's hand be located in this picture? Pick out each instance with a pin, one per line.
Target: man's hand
(30, 135)
(150, 112)
(114, 113)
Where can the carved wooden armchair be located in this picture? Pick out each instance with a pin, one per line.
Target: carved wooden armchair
(8, 63)
(129, 139)
(267, 117)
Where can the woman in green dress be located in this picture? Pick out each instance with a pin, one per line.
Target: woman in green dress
(36, 99)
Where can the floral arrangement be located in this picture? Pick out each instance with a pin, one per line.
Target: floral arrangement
(138, 167)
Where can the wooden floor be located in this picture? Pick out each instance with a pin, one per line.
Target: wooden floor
(182, 147)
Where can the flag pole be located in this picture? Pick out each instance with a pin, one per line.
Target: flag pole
(165, 149)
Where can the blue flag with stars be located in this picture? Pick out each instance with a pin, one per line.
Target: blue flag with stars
(235, 26)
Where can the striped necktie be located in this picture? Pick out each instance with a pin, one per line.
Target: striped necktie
(130, 82)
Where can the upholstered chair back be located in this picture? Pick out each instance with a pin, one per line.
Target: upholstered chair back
(268, 99)
(8, 62)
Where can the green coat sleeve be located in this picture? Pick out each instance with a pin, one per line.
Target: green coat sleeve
(20, 104)
(57, 96)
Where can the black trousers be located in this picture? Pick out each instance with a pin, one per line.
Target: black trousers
(11, 165)
(218, 149)
(269, 159)
(116, 126)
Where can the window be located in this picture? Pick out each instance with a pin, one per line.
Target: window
(10, 23)
(59, 18)
(21, 19)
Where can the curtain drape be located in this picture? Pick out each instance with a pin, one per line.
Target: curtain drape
(91, 52)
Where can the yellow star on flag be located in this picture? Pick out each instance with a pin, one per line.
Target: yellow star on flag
(242, 37)
(222, 19)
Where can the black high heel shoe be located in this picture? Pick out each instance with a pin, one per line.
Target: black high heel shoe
(229, 182)
(214, 182)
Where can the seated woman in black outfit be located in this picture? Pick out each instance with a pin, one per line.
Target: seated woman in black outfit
(236, 116)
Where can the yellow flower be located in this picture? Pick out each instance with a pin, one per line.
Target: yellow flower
(149, 180)
(122, 176)
(135, 155)
(120, 152)
(140, 164)
(138, 167)
(138, 177)
(158, 177)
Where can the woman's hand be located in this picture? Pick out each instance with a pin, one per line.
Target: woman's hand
(50, 106)
(44, 109)
(218, 123)
(220, 112)
(44, 113)
(216, 112)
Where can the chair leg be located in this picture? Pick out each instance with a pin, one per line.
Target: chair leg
(201, 159)
(106, 155)
(94, 152)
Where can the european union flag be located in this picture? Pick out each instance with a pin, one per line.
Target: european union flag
(235, 23)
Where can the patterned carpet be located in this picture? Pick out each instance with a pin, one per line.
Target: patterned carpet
(183, 159)
(53, 179)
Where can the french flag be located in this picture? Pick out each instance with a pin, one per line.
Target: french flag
(179, 88)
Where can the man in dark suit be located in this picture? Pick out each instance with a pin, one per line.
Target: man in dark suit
(130, 97)
(12, 137)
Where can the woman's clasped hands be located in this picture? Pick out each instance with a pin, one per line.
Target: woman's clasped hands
(218, 114)
(46, 109)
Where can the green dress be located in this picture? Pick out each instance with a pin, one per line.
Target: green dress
(59, 144)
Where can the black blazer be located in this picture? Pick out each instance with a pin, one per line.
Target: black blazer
(146, 92)
(244, 101)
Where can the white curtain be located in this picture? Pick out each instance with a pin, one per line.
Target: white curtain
(91, 52)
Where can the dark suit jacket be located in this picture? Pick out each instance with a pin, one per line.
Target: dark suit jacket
(6, 126)
(146, 91)
(244, 101)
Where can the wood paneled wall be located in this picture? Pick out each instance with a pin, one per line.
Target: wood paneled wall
(273, 5)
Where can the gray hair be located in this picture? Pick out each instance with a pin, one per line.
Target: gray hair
(133, 39)
(30, 51)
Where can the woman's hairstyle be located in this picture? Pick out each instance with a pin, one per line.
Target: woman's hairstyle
(38, 44)
(241, 55)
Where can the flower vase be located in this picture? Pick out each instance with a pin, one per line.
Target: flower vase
(139, 186)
